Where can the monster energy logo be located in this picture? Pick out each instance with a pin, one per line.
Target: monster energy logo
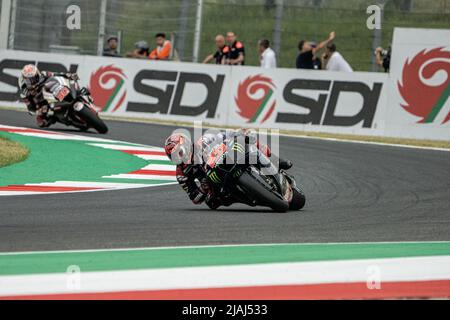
(214, 177)
(237, 173)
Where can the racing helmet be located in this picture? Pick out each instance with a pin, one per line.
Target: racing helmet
(178, 148)
(30, 76)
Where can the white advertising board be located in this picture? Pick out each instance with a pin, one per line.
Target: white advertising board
(419, 85)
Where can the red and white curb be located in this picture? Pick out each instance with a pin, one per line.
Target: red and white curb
(163, 173)
(68, 187)
(410, 277)
(48, 134)
(149, 172)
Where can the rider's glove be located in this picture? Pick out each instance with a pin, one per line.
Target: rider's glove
(72, 76)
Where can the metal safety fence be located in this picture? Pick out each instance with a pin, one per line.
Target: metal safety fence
(41, 25)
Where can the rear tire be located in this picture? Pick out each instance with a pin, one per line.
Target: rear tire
(261, 194)
(92, 120)
(298, 200)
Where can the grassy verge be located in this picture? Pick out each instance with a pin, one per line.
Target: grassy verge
(11, 152)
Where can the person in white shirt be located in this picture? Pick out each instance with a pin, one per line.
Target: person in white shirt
(334, 61)
(267, 55)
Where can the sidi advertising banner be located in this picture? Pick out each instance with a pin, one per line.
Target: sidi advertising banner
(419, 84)
(131, 87)
(223, 95)
(348, 103)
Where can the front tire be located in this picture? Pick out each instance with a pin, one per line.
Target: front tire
(92, 120)
(261, 194)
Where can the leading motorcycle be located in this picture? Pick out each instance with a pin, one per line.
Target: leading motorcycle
(234, 178)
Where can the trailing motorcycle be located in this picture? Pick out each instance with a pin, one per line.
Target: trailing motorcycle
(72, 105)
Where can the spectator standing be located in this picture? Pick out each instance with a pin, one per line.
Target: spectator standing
(141, 50)
(222, 51)
(334, 61)
(267, 55)
(111, 49)
(236, 56)
(308, 51)
(163, 48)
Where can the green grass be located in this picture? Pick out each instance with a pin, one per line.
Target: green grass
(11, 152)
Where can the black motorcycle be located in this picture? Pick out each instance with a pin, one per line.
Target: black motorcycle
(239, 172)
(75, 109)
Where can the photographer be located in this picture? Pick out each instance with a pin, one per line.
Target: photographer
(383, 58)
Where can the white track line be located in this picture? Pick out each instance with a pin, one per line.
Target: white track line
(365, 142)
(128, 186)
(65, 136)
(151, 157)
(164, 167)
(87, 184)
(58, 136)
(226, 246)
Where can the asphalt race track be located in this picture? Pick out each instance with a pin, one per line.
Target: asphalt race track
(355, 192)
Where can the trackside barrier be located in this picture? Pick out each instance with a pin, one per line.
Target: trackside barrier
(411, 102)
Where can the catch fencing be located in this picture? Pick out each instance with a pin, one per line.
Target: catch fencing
(41, 25)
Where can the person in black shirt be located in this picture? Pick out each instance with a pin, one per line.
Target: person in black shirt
(306, 58)
(221, 53)
(236, 55)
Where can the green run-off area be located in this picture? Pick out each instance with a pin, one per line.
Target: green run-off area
(65, 160)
